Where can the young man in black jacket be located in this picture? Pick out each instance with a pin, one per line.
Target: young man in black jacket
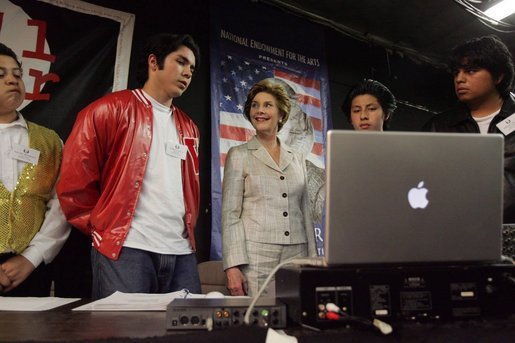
(483, 81)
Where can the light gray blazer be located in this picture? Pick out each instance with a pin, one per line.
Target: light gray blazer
(263, 202)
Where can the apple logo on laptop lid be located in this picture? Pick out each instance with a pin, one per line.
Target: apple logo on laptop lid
(417, 196)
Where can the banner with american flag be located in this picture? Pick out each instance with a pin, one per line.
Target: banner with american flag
(242, 56)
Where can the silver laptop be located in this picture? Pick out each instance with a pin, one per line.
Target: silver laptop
(409, 197)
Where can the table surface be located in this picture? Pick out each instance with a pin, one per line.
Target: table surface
(64, 325)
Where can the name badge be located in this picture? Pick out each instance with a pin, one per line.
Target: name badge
(25, 154)
(175, 149)
(507, 126)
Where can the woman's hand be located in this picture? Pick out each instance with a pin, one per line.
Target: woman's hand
(236, 281)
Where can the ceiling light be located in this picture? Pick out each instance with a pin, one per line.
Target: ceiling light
(502, 10)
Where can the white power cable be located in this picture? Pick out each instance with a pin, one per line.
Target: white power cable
(310, 261)
(385, 328)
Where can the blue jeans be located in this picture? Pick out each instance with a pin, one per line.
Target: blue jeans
(139, 271)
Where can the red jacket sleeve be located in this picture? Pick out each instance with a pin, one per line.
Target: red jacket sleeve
(78, 187)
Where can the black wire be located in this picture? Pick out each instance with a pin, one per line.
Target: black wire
(485, 19)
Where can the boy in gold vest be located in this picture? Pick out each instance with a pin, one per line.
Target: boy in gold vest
(32, 226)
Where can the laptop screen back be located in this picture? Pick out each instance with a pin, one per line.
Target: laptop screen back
(404, 197)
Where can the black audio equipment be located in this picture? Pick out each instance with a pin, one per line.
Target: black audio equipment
(508, 240)
(217, 313)
(412, 293)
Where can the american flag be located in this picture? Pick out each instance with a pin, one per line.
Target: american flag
(239, 74)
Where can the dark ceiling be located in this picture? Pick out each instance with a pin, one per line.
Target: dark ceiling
(424, 29)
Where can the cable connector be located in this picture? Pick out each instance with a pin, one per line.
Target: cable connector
(309, 261)
(333, 308)
(334, 312)
(385, 328)
(333, 316)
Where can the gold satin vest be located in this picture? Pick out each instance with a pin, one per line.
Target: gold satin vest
(22, 212)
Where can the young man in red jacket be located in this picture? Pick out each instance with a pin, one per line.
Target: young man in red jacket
(130, 177)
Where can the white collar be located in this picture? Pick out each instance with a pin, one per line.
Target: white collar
(20, 121)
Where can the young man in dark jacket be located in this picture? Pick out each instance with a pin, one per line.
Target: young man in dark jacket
(483, 82)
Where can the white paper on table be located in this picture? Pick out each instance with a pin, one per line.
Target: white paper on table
(279, 336)
(119, 301)
(33, 303)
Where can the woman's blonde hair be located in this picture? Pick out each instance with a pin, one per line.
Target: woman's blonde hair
(277, 91)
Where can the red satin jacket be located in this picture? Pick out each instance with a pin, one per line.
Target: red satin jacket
(104, 162)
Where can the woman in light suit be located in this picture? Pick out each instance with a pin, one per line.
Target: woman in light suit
(265, 207)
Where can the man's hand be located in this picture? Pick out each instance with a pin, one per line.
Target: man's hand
(16, 269)
(5, 282)
(236, 281)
